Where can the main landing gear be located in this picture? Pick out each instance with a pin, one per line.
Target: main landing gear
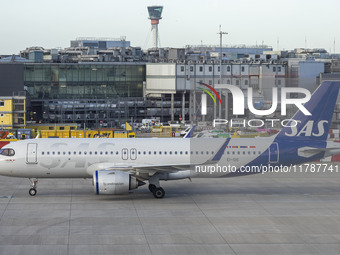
(155, 188)
(157, 192)
(33, 191)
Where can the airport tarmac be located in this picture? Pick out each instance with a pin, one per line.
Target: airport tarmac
(274, 213)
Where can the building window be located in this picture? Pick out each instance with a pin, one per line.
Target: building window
(191, 68)
(219, 69)
(2, 103)
(182, 68)
(279, 69)
(210, 82)
(246, 82)
(242, 68)
(274, 69)
(201, 68)
(228, 68)
(210, 68)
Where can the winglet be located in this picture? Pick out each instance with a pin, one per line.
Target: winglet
(215, 158)
(190, 133)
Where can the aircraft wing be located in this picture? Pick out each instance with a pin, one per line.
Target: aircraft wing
(309, 151)
(149, 168)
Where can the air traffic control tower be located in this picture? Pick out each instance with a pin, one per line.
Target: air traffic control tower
(155, 13)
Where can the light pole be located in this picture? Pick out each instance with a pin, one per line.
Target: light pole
(221, 82)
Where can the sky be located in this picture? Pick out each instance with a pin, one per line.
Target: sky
(284, 25)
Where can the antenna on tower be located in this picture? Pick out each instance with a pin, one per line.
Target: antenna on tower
(155, 13)
(221, 34)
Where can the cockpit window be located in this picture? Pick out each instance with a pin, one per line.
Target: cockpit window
(7, 152)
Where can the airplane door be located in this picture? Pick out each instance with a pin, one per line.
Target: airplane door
(125, 154)
(31, 156)
(274, 153)
(133, 154)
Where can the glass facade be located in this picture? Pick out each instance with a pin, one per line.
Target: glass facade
(84, 80)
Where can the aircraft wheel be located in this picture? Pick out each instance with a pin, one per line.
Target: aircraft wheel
(32, 192)
(152, 187)
(158, 192)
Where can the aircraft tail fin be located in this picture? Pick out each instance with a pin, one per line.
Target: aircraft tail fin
(190, 133)
(321, 106)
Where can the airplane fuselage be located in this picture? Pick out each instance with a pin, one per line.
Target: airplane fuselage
(79, 158)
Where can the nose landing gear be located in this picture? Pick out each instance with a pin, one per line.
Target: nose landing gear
(33, 191)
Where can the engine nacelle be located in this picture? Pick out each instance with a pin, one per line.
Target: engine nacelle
(114, 182)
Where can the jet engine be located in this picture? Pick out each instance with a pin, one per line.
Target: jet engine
(114, 182)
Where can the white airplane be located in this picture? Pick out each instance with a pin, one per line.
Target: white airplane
(119, 165)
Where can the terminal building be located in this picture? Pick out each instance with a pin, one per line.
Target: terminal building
(103, 83)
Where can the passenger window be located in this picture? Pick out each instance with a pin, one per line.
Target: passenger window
(69, 153)
(181, 152)
(48, 153)
(106, 153)
(175, 152)
(64, 153)
(42, 153)
(116, 152)
(164, 152)
(75, 153)
(58, 152)
(79, 152)
(160, 153)
(85, 152)
(170, 152)
(90, 152)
